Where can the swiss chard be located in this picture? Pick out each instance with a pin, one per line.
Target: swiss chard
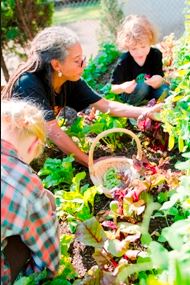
(57, 172)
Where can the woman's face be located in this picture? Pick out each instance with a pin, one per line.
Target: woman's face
(73, 65)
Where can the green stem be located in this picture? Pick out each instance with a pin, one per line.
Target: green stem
(127, 270)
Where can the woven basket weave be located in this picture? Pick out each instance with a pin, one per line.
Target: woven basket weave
(120, 163)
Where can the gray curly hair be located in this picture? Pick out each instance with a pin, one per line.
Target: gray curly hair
(50, 43)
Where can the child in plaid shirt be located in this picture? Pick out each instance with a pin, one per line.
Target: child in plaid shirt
(29, 230)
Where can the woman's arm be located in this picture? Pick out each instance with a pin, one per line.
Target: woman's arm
(64, 142)
(123, 110)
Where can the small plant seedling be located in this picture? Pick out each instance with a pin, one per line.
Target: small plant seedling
(142, 77)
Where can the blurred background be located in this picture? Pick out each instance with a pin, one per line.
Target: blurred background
(95, 22)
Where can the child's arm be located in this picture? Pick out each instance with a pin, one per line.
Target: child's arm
(157, 70)
(155, 81)
(126, 87)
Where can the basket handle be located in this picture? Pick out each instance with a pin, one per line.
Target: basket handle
(103, 134)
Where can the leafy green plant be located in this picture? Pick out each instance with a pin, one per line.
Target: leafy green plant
(99, 65)
(78, 131)
(124, 227)
(180, 198)
(66, 270)
(57, 172)
(112, 250)
(127, 247)
(65, 273)
(111, 179)
(175, 262)
(33, 279)
(111, 17)
(104, 122)
(77, 204)
(18, 26)
(176, 110)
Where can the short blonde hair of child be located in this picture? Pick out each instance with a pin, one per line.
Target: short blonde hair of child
(24, 118)
(136, 29)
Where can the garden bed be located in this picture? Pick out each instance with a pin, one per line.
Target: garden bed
(139, 235)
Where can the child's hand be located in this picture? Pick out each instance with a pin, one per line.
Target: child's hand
(128, 86)
(155, 81)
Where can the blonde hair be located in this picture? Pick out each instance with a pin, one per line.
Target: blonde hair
(136, 29)
(24, 118)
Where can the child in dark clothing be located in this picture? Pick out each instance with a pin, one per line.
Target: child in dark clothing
(138, 74)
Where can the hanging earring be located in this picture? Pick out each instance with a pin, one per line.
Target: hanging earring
(60, 74)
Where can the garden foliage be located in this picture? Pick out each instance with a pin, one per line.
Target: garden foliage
(18, 25)
(130, 247)
(110, 18)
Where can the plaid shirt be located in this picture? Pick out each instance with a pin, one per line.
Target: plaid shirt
(26, 211)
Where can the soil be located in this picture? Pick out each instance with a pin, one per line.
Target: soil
(82, 256)
(82, 259)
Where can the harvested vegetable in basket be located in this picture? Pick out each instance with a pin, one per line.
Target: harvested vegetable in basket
(110, 179)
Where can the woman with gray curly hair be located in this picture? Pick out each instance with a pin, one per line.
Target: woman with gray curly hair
(51, 77)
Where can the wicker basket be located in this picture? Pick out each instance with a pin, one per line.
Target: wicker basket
(120, 163)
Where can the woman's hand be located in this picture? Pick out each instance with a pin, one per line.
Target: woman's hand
(152, 113)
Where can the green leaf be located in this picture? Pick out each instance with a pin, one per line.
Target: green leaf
(171, 142)
(72, 226)
(187, 154)
(124, 271)
(114, 207)
(101, 258)
(175, 234)
(173, 211)
(117, 247)
(24, 281)
(65, 242)
(180, 144)
(33, 279)
(96, 276)
(146, 238)
(89, 195)
(76, 181)
(183, 165)
(159, 255)
(128, 228)
(167, 205)
(91, 233)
